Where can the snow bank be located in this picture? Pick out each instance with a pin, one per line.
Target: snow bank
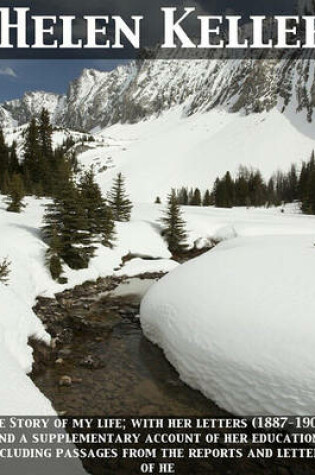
(238, 323)
(18, 395)
(21, 243)
(141, 238)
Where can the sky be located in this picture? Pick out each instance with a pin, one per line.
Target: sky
(19, 76)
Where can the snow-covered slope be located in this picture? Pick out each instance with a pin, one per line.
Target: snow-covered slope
(174, 151)
(173, 123)
(238, 322)
(18, 323)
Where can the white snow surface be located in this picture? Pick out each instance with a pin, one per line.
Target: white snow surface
(238, 322)
(174, 150)
(18, 242)
(21, 243)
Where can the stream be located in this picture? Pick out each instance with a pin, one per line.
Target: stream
(101, 365)
(115, 370)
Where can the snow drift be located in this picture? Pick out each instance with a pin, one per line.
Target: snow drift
(17, 323)
(238, 324)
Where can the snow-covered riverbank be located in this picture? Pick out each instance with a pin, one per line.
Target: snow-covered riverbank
(21, 242)
(238, 323)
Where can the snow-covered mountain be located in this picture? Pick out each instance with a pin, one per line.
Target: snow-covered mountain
(202, 118)
(140, 90)
(20, 111)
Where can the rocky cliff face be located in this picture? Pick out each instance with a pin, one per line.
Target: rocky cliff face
(139, 90)
(20, 111)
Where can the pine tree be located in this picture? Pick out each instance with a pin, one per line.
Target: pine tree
(38, 190)
(196, 198)
(61, 173)
(99, 215)
(216, 191)
(118, 201)
(5, 183)
(302, 184)
(174, 226)
(229, 190)
(272, 199)
(241, 191)
(4, 271)
(26, 180)
(185, 196)
(223, 192)
(53, 259)
(308, 205)
(16, 193)
(220, 194)
(292, 193)
(306, 190)
(190, 195)
(4, 161)
(46, 151)
(157, 200)
(68, 216)
(207, 201)
(33, 160)
(14, 164)
(257, 189)
(45, 134)
(182, 196)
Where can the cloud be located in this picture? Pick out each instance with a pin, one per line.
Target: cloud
(7, 71)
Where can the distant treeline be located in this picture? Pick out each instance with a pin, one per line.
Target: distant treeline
(193, 197)
(249, 188)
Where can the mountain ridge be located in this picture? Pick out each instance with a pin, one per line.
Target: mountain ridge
(139, 90)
